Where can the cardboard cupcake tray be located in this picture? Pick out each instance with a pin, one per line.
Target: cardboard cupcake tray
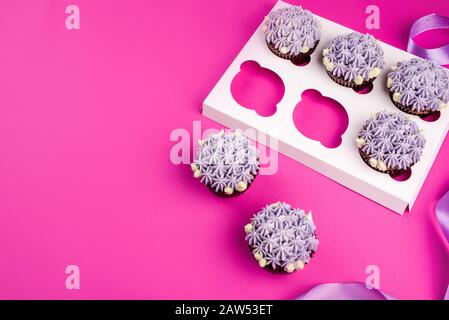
(342, 164)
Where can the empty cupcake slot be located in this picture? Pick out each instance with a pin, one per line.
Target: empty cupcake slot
(257, 88)
(403, 176)
(434, 116)
(320, 118)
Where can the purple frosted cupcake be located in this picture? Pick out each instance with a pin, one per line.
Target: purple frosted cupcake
(282, 239)
(292, 33)
(418, 86)
(354, 60)
(390, 143)
(227, 163)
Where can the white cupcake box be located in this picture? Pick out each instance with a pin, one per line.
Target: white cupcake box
(342, 164)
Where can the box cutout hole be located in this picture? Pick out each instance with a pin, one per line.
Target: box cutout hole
(303, 63)
(257, 88)
(321, 118)
(366, 89)
(434, 116)
(404, 176)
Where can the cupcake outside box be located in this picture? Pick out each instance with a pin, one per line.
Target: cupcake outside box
(342, 164)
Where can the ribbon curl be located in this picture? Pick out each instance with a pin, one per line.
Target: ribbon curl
(359, 291)
(344, 291)
(430, 22)
(442, 214)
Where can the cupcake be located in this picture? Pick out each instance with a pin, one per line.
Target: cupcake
(390, 143)
(354, 60)
(227, 163)
(418, 86)
(282, 239)
(292, 33)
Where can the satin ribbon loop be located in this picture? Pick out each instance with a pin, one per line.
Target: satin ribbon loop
(430, 22)
(442, 214)
(359, 291)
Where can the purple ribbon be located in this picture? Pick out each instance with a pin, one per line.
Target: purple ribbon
(359, 291)
(344, 291)
(430, 22)
(442, 213)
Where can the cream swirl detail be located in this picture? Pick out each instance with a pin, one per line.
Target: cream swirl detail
(226, 163)
(354, 57)
(292, 30)
(281, 237)
(391, 141)
(419, 84)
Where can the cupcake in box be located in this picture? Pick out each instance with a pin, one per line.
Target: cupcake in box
(282, 239)
(390, 143)
(418, 86)
(354, 60)
(227, 163)
(292, 33)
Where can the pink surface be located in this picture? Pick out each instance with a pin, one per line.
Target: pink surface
(86, 179)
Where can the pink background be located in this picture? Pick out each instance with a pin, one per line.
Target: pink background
(86, 179)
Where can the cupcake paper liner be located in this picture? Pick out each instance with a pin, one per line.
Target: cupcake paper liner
(351, 84)
(269, 268)
(296, 59)
(236, 193)
(392, 172)
(408, 109)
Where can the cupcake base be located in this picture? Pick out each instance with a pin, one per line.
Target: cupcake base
(279, 271)
(389, 171)
(236, 193)
(298, 59)
(409, 110)
(351, 84)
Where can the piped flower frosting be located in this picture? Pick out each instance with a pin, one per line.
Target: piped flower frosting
(419, 84)
(354, 57)
(391, 141)
(226, 162)
(281, 237)
(292, 30)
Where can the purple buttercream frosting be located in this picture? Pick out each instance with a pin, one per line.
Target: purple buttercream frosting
(391, 139)
(419, 84)
(292, 30)
(226, 162)
(282, 237)
(354, 54)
